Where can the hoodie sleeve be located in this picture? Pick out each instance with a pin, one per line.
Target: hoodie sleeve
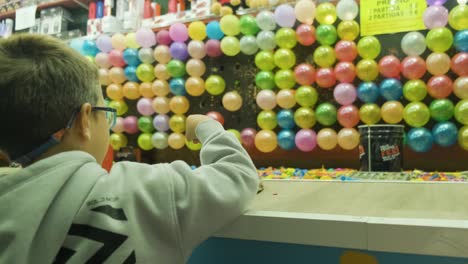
(217, 192)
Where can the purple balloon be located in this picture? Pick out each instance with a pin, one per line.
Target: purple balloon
(179, 51)
(345, 93)
(178, 32)
(213, 48)
(163, 38)
(131, 124)
(145, 106)
(436, 2)
(284, 16)
(435, 16)
(104, 43)
(161, 122)
(306, 140)
(248, 137)
(145, 37)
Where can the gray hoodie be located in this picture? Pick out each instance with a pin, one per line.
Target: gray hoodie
(67, 209)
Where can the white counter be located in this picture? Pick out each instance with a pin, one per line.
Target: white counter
(401, 217)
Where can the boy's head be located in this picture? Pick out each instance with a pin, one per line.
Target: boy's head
(42, 83)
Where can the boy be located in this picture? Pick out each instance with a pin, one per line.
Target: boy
(62, 207)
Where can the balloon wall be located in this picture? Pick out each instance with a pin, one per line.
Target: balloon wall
(298, 77)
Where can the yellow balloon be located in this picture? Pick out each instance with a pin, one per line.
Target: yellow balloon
(463, 137)
(348, 138)
(232, 101)
(160, 88)
(195, 86)
(326, 13)
(197, 30)
(118, 141)
(117, 75)
(230, 46)
(370, 114)
(327, 139)
(176, 141)
(179, 104)
(266, 141)
(118, 42)
(304, 117)
(114, 91)
(438, 63)
(348, 30)
(144, 141)
(367, 70)
(104, 77)
(177, 123)
(458, 17)
(131, 90)
(392, 112)
(146, 90)
(161, 105)
(230, 25)
(286, 99)
(193, 146)
(162, 54)
(130, 40)
(161, 73)
(195, 67)
(120, 106)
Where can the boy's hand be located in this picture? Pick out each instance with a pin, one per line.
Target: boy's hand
(191, 126)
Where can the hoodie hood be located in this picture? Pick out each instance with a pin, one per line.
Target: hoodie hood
(32, 197)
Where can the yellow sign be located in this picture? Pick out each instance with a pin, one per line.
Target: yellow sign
(391, 16)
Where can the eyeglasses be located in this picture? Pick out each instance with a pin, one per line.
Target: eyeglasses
(111, 115)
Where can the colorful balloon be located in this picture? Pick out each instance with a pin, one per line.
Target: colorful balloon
(370, 114)
(367, 70)
(284, 79)
(266, 20)
(104, 77)
(213, 30)
(118, 42)
(392, 112)
(266, 99)
(461, 40)
(460, 87)
(130, 40)
(346, 50)
(248, 25)
(114, 91)
(159, 140)
(463, 137)
(265, 61)
(304, 117)
(177, 86)
(460, 64)
(179, 51)
(177, 123)
(161, 105)
(216, 116)
(131, 124)
(414, 90)
(327, 139)
(348, 116)
(178, 32)
(389, 66)
(306, 140)
(326, 114)
(345, 72)
(145, 124)
(176, 141)
(145, 72)
(324, 56)
(391, 89)
(232, 101)
(369, 47)
(285, 119)
(130, 56)
(441, 110)
(461, 112)
(458, 17)
(435, 16)
(162, 54)
(163, 37)
(145, 37)
(213, 48)
(179, 104)
(116, 58)
(416, 114)
(420, 139)
(117, 141)
(196, 49)
(284, 58)
(176, 68)
(305, 34)
(305, 11)
(413, 67)
(286, 99)
(439, 86)
(306, 96)
(286, 38)
(304, 74)
(265, 80)
(161, 122)
(144, 106)
(368, 92)
(284, 16)
(131, 90)
(286, 139)
(326, 13)
(230, 46)
(445, 134)
(439, 39)
(326, 34)
(266, 119)
(146, 55)
(197, 30)
(347, 9)
(348, 30)
(102, 60)
(160, 88)
(230, 25)
(248, 137)
(195, 86)
(266, 141)
(345, 93)
(325, 77)
(120, 106)
(438, 63)
(215, 85)
(248, 45)
(348, 138)
(130, 73)
(195, 68)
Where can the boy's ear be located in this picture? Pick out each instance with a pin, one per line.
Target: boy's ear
(84, 121)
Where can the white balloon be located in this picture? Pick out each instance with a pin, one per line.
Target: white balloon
(159, 140)
(266, 20)
(413, 43)
(248, 45)
(347, 9)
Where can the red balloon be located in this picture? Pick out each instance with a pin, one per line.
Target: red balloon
(305, 34)
(304, 74)
(216, 116)
(325, 77)
(116, 58)
(389, 66)
(346, 50)
(213, 48)
(248, 137)
(460, 64)
(440, 86)
(413, 67)
(348, 116)
(345, 72)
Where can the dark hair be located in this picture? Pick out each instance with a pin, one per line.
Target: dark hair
(42, 81)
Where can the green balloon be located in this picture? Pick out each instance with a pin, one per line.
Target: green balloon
(248, 25)
(285, 79)
(265, 60)
(145, 124)
(326, 34)
(145, 72)
(306, 96)
(215, 85)
(324, 56)
(304, 117)
(176, 68)
(284, 58)
(461, 112)
(439, 39)
(441, 110)
(326, 114)
(144, 141)
(265, 80)
(286, 38)
(236, 133)
(415, 90)
(267, 120)
(369, 47)
(416, 114)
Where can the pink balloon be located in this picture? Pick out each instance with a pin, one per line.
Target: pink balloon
(163, 38)
(248, 137)
(435, 16)
(116, 58)
(346, 50)
(305, 74)
(119, 125)
(213, 48)
(325, 77)
(413, 67)
(145, 37)
(178, 32)
(102, 60)
(306, 139)
(389, 66)
(130, 124)
(345, 72)
(145, 106)
(345, 93)
(348, 116)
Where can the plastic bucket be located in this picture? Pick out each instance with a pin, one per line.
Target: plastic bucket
(381, 147)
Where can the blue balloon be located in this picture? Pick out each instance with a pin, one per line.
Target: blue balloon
(445, 134)
(286, 139)
(130, 73)
(368, 92)
(420, 139)
(89, 48)
(460, 40)
(213, 30)
(391, 89)
(285, 119)
(177, 86)
(130, 56)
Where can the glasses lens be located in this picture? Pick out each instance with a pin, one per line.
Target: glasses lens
(110, 116)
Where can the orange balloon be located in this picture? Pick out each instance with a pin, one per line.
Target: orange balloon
(160, 88)
(161, 73)
(195, 68)
(179, 104)
(131, 90)
(438, 63)
(104, 77)
(195, 86)
(232, 101)
(176, 141)
(286, 99)
(161, 105)
(162, 54)
(327, 139)
(115, 91)
(392, 112)
(146, 90)
(348, 138)
(266, 141)
(117, 75)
